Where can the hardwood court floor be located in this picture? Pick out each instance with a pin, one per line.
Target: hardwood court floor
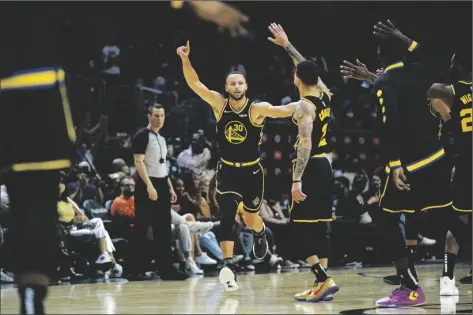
(258, 293)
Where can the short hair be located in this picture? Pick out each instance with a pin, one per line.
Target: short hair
(234, 72)
(308, 72)
(155, 106)
(463, 58)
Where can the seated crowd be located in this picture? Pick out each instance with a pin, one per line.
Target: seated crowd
(96, 219)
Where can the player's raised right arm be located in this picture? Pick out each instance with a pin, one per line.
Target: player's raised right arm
(213, 98)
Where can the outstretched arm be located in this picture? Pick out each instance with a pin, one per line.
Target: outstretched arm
(214, 99)
(357, 72)
(281, 39)
(265, 109)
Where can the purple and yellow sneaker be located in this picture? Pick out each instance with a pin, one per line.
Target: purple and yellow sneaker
(403, 297)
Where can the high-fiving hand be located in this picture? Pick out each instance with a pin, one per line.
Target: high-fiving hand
(358, 72)
(280, 37)
(387, 29)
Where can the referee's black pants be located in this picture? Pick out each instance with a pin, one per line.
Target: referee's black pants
(156, 214)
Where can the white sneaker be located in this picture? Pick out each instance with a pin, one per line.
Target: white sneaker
(227, 278)
(115, 272)
(425, 241)
(275, 261)
(237, 258)
(193, 268)
(365, 218)
(448, 304)
(104, 258)
(447, 287)
(4, 278)
(204, 259)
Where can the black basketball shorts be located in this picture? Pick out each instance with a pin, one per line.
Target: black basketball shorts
(317, 184)
(430, 189)
(462, 187)
(246, 182)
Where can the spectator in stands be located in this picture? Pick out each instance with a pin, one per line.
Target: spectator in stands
(123, 208)
(277, 229)
(190, 198)
(4, 211)
(195, 159)
(77, 225)
(347, 229)
(185, 206)
(246, 239)
(85, 189)
(188, 231)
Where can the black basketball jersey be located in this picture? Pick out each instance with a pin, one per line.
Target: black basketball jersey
(461, 114)
(320, 142)
(238, 138)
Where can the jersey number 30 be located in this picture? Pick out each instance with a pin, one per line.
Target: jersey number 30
(466, 121)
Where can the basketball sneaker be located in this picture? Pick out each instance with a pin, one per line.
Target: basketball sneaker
(447, 287)
(260, 244)
(227, 277)
(403, 297)
(322, 291)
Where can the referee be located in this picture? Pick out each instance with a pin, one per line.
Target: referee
(153, 196)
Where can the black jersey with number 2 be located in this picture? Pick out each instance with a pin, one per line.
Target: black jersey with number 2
(320, 143)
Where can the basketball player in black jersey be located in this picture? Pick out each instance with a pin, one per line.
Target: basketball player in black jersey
(240, 175)
(387, 30)
(454, 104)
(312, 209)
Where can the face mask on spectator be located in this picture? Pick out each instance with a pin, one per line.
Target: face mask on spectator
(127, 192)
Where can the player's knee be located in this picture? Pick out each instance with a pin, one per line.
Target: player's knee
(228, 206)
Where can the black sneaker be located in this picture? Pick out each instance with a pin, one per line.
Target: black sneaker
(174, 274)
(466, 279)
(392, 280)
(260, 244)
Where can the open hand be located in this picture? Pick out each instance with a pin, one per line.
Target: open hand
(280, 37)
(386, 30)
(358, 71)
(223, 15)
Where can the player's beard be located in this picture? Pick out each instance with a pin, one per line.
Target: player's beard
(235, 98)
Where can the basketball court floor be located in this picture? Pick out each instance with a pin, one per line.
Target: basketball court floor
(259, 293)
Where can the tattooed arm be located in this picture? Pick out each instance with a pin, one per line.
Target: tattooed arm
(281, 39)
(304, 115)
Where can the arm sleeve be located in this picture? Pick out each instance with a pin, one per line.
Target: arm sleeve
(140, 142)
(391, 124)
